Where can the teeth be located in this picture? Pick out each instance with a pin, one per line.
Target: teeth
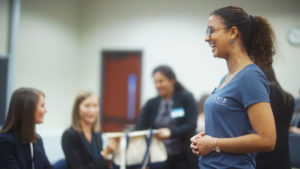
(212, 45)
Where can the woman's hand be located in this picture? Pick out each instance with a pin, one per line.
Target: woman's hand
(164, 133)
(111, 146)
(294, 129)
(199, 135)
(194, 140)
(202, 144)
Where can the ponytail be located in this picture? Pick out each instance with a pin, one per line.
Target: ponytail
(261, 47)
(256, 33)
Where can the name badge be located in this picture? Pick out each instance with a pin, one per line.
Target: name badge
(177, 112)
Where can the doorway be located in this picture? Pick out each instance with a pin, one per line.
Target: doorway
(120, 92)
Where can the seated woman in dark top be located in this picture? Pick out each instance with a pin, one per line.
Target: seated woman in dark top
(82, 142)
(174, 112)
(282, 104)
(20, 146)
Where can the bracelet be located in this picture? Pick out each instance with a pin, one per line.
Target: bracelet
(218, 150)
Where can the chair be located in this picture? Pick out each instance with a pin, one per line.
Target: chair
(60, 164)
(294, 148)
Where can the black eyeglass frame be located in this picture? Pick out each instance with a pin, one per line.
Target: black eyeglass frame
(210, 30)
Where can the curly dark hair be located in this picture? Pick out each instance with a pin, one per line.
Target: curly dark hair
(256, 33)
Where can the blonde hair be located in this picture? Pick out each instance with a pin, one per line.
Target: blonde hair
(81, 96)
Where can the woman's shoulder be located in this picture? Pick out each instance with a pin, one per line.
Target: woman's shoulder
(153, 100)
(184, 94)
(70, 132)
(7, 139)
(253, 70)
(252, 74)
(98, 133)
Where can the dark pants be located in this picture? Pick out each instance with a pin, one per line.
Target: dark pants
(179, 161)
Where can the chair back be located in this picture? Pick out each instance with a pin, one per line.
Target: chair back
(60, 164)
(294, 148)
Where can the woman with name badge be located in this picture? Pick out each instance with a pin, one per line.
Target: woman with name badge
(174, 113)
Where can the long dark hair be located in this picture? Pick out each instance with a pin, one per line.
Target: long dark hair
(269, 72)
(256, 33)
(20, 118)
(169, 73)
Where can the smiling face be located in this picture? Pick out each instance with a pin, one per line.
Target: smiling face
(89, 110)
(164, 86)
(218, 36)
(40, 110)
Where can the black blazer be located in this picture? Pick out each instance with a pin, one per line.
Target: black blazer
(77, 153)
(14, 155)
(186, 125)
(282, 105)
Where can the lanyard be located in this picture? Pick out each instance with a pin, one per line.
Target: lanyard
(31, 150)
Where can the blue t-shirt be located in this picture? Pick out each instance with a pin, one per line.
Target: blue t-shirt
(226, 116)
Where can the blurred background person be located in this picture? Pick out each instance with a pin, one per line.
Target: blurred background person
(20, 145)
(201, 115)
(82, 142)
(282, 104)
(174, 113)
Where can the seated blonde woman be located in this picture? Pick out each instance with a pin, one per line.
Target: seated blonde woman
(82, 143)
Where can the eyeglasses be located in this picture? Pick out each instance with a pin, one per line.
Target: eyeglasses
(211, 29)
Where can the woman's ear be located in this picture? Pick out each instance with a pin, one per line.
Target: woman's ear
(173, 81)
(234, 32)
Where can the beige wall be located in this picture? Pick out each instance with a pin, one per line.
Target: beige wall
(172, 32)
(48, 55)
(4, 18)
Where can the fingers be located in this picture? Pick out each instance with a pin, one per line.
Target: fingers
(197, 136)
(193, 146)
(113, 143)
(164, 133)
(195, 149)
(202, 133)
(196, 152)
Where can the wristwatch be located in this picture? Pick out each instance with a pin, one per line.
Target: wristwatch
(218, 150)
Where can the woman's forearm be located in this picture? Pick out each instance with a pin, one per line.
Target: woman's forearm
(247, 144)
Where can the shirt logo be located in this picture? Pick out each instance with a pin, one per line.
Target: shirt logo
(221, 100)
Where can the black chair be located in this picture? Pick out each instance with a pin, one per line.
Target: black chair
(294, 148)
(60, 164)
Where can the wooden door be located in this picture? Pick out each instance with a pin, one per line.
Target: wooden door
(120, 93)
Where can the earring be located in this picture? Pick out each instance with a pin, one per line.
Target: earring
(231, 41)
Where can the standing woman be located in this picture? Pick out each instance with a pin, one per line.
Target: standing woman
(174, 113)
(82, 142)
(20, 146)
(239, 121)
(282, 104)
